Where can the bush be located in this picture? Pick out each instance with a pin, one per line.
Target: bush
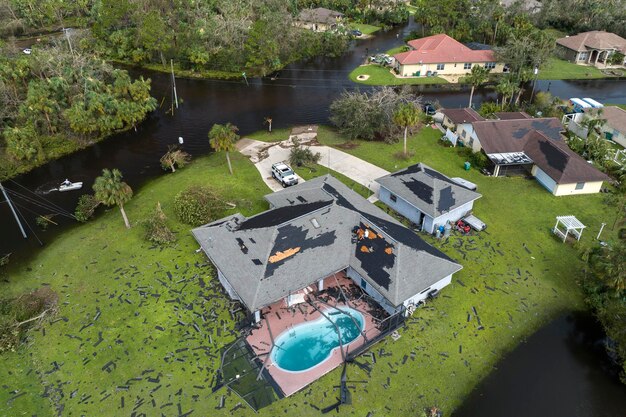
(87, 204)
(300, 156)
(197, 205)
(157, 230)
(477, 159)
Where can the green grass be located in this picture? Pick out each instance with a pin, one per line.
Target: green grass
(381, 76)
(364, 28)
(516, 275)
(558, 69)
(396, 50)
(276, 135)
(622, 106)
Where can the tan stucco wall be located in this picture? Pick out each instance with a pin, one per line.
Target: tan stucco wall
(570, 189)
(449, 69)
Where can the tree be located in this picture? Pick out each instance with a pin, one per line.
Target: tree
(407, 115)
(268, 121)
(174, 157)
(223, 138)
(610, 266)
(476, 77)
(506, 87)
(110, 190)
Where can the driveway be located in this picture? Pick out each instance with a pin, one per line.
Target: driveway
(263, 155)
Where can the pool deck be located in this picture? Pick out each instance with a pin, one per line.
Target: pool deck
(278, 318)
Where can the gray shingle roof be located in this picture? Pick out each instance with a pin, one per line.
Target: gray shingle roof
(282, 250)
(428, 190)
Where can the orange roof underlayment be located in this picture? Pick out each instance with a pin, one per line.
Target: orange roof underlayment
(442, 49)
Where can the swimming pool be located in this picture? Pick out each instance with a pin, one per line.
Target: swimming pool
(309, 344)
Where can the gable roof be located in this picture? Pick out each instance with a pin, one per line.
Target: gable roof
(319, 15)
(465, 115)
(596, 39)
(442, 49)
(428, 190)
(615, 117)
(504, 136)
(309, 235)
(556, 159)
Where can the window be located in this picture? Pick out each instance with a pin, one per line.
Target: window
(490, 65)
(440, 67)
(583, 56)
(467, 65)
(463, 134)
(580, 185)
(393, 198)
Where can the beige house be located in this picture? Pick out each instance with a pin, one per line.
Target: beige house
(441, 55)
(591, 48)
(615, 126)
(319, 19)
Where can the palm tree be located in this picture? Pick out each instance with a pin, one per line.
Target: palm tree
(223, 138)
(407, 115)
(110, 190)
(507, 88)
(476, 77)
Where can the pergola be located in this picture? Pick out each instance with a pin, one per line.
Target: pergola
(571, 225)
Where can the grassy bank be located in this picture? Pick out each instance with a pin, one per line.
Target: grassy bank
(124, 340)
(558, 69)
(397, 49)
(379, 75)
(364, 28)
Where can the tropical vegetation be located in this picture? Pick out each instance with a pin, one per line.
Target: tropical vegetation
(110, 190)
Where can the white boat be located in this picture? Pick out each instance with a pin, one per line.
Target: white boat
(70, 186)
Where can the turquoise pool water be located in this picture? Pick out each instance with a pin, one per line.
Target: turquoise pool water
(309, 344)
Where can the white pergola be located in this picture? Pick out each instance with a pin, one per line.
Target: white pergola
(571, 225)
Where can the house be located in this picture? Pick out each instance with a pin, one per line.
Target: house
(458, 123)
(536, 146)
(442, 55)
(426, 197)
(614, 127)
(315, 230)
(319, 19)
(511, 115)
(590, 47)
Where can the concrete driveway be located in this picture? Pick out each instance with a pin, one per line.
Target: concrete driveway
(263, 155)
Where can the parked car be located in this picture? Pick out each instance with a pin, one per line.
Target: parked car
(27, 51)
(356, 32)
(429, 109)
(382, 59)
(282, 173)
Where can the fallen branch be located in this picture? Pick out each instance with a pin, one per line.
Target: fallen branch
(32, 319)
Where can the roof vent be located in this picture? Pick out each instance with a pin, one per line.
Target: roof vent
(315, 223)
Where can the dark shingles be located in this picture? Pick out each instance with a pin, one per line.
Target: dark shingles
(423, 191)
(281, 215)
(554, 156)
(446, 200)
(374, 260)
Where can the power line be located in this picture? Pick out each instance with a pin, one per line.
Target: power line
(53, 209)
(60, 209)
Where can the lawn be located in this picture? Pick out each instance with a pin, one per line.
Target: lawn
(558, 69)
(364, 28)
(397, 49)
(144, 354)
(276, 135)
(381, 76)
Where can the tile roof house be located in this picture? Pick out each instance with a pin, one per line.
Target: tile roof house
(311, 232)
(319, 19)
(591, 47)
(443, 55)
(536, 145)
(426, 197)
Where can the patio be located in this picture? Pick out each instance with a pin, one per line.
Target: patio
(278, 318)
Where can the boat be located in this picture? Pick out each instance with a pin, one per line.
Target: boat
(67, 185)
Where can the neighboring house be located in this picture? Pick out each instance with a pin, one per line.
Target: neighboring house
(312, 231)
(615, 126)
(536, 146)
(319, 19)
(458, 123)
(426, 197)
(590, 47)
(442, 55)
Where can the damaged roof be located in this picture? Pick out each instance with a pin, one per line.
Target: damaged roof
(268, 256)
(503, 136)
(428, 190)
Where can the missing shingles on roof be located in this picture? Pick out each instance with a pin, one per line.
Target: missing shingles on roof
(446, 200)
(375, 254)
(252, 240)
(281, 215)
(520, 133)
(553, 131)
(257, 261)
(554, 156)
(422, 190)
(242, 245)
(301, 199)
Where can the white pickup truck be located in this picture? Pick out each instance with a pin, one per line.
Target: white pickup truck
(282, 173)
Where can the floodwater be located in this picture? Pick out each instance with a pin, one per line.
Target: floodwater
(560, 371)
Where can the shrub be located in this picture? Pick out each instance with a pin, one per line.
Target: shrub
(87, 204)
(157, 230)
(301, 156)
(477, 159)
(197, 205)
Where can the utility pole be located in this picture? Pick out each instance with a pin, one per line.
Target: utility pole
(69, 42)
(17, 219)
(174, 83)
(600, 232)
(536, 72)
(243, 74)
